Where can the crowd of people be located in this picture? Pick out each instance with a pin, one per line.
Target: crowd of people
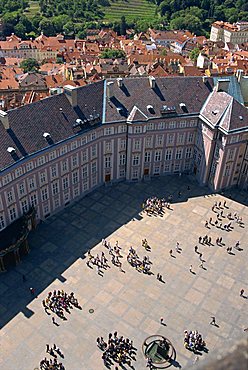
(135, 261)
(60, 302)
(193, 340)
(52, 363)
(218, 209)
(101, 261)
(117, 349)
(155, 205)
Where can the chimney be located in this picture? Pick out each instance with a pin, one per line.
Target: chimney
(5, 119)
(239, 74)
(120, 82)
(110, 92)
(71, 94)
(223, 85)
(152, 82)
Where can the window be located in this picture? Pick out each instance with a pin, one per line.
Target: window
(42, 177)
(177, 167)
(31, 184)
(107, 162)
(6, 179)
(33, 199)
(2, 222)
(199, 158)
(123, 144)
(122, 172)
(183, 124)
(158, 156)
(56, 203)
(76, 192)
(172, 124)
(21, 189)
(156, 170)
(65, 183)
(52, 155)
(85, 186)
(188, 153)
(230, 154)
(190, 137)
(74, 145)
(75, 161)
(170, 138)
(18, 172)
(44, 194)
(63, 150)
(159, 140)
(29, 166)
(150, 126)
(137, 144)
(93, 168)
(41, 160)
(137, 129)
(122, 129)
(187, 166)
(12, 213)
(45, 209)
(55, 187)
(135, 173)
(167, 168)
(85, 172)
(147, 157)
(179, 153)
(136, 159)
(122, 160)
(108, 146)
(53, 171)
(84, 140)
(64, 166)
(10, 196)
(75, 177)
(93, 180)
(161, 125)
(108, 131)
(180, 138)
(24, 205)
(227, 170)
(93, 151)
(148, 142)
(168, 154)
(85, 155)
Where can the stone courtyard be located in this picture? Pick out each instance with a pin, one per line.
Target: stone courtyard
(129, 302)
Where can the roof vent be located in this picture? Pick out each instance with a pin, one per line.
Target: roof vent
(150, 108)
(241, 118)
(46, 135)
(11, 150)
(77, 123)
(110, 91)
(183, 107)
(152, 82)
(120, 82)
(214, 112)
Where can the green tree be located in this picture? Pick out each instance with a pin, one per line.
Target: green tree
(112, 54)
(29, 65)
(20, 30)
(123, 26)
(46, 26)
(194, 54)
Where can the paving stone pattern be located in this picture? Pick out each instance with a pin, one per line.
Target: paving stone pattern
(129, 302)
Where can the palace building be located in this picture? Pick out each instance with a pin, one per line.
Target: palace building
(58, 149)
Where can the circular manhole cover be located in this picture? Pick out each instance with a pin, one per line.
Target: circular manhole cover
(91, 310)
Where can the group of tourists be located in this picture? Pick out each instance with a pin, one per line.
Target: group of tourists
(135, 261)
(60, 302)
(193, 340)
(218, 208)
(116, 349)
(52, 363)
(155, 205)
(101, 261)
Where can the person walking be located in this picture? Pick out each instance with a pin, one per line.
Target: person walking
(213, 321)
(201, 265)
(242, 292)
(161, 320)
(191, 268)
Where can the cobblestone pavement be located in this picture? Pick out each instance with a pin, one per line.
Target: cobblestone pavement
(131, 303)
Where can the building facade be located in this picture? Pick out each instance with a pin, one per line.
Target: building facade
(58, 149)
(236, 33)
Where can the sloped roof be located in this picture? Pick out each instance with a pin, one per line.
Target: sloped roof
(168, 91)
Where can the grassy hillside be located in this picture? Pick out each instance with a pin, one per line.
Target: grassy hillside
(33, 8)
(131, 9)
